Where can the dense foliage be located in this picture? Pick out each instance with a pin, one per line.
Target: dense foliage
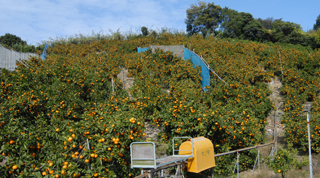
(51, 109)
(9, 39)
(316, 26)
(281, 162)
(203, 17)
(16, 43)
(212, 20)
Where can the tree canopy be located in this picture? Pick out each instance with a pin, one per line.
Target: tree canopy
(240, 25)
(288, 32)
(203, 16)
(144, 31)
(9, 40)
(316, 26)
(208, 18)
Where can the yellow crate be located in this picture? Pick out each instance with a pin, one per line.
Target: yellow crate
(203, 154)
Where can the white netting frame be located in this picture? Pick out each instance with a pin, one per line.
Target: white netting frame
(9, 57)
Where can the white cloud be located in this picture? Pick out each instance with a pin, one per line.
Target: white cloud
(36, 20)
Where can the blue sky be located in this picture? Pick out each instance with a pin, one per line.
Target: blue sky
(38, 20)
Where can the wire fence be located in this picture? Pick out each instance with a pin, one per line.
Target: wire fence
(8, 58)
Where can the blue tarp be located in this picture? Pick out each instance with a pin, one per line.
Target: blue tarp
(205, 74)
(142, 49)
(44, 53)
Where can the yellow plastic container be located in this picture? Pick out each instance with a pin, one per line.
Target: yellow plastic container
(203, 154)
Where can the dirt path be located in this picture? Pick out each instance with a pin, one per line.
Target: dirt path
(276, 115)
(273, 119)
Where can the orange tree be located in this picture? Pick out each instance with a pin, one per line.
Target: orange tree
(50, 108)
(72, 90)
(59, 117)
(281, 162)
(170, 95)
(301, 84)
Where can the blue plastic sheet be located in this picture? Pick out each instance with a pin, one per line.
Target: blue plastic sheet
(142, 49)
(44, 53)
(205, 74)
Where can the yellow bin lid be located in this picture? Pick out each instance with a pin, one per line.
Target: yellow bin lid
(203, 154)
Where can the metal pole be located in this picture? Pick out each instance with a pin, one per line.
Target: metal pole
(212, 172)
(238, 164)
(255, 162)
(271, 153)
(5, 58)
(88, 149)
(123, 78)
(112, 86)
(259, 159)
(276, 133)
(310, 156)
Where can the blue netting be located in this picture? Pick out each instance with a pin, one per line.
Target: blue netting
(142, 49)
(44, 53)
(205, 75)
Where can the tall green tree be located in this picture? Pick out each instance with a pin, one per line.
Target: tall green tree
(316, 26)
(314, 36)
(240, 25)
(9, 40)
(144, 31)
(288, 32)
(203, 16)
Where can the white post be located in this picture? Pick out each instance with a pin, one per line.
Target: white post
(255, 162)
(238, 155)
(259, 159)
(112, 86)
(88, 149)
(5, 58)
(123, 87)
(310, 155)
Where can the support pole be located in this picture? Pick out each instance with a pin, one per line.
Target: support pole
(212, 172)
(238, 155)
(88, 149)
(259, 159)
(112, 86)
(310, 155)
(255, 163)
(123, 78)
